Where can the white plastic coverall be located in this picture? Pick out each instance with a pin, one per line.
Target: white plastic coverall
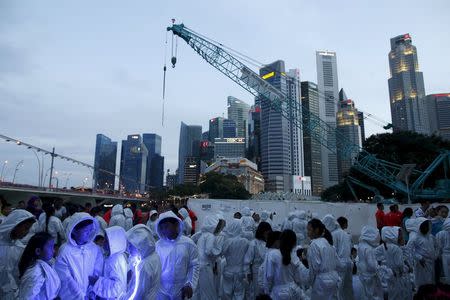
(39, 282)
(443, 246)
(209, 248)
(75, 263)
(248, 224)
(187, 226)
(299, 225)
(54, 227)
(391, 255)
(265, 217)
(254, 257)
(117, 216)
(367, 264)
(323, 262)
(423, 249)
(179, 261)
(342, 242)
(283, 282)
(234, 249)
(151, 224)
(287, 223)
(113, 283)
(128, 218)
(150, 267)
(102, 225)
(10, 253)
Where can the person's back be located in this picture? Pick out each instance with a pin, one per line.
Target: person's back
(179, 258)
(299, 226)
(117, 216)
(443, 246)
(128, 218)
(248, 224)
(78, 257)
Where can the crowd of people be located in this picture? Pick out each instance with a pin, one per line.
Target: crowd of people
(55, 250)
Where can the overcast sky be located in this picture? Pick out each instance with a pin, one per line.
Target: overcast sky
(72, 69)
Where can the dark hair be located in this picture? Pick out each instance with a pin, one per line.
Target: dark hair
(379, 205)
(49, 211)
(83, 224)
(133, 205)
(425, 227)
(88, 204)
(342, 221)
(98, 237)
(29, 257)
(263, 297)
(95, 210)
(262, 228)
(323, 231)
(439, 207)
(288, 240)
(272, 238)
(392, 207)
(407, 212)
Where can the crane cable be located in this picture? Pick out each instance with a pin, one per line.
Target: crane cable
(164, 81)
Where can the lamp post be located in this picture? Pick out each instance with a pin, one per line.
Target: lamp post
(57, 180)
(3, 170)
(84, 181)
(39, 166)
(67, 178)
(19, 164)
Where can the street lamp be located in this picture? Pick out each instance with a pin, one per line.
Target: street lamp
(84, 181)
(67, 178)
(19, 164)
(57, 180)
(39, 165)
(3, 170)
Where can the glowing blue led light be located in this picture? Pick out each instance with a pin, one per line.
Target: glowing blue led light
(137, 261)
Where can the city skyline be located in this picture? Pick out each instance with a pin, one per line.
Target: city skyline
(60, 87)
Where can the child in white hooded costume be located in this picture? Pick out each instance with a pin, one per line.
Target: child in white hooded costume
(149, 268)
(443, 246)
(179, 259)
(117, 216)
(128, 218)
(13, 228)
(113, 283)
(79, 257)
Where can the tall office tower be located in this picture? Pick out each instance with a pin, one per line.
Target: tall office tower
(229, 148)
(438, 110)
(312, 147)
(327, 82)
(133, 164)
(191, 170)
(254, 134)
(275, 138)
(189, 146)
(361, 126)
(238, 112)
(155, 162)
(348, 127)
(295, 132)
(105, 163)
(406, 87)
(221, 128)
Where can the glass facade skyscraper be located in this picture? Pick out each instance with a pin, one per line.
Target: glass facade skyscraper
(105, 163)
(406, 87)
(238, 112)
(188, 148)
(221, 128)
(155, 162)
(133, 164)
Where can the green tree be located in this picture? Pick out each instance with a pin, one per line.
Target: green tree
(220, 186)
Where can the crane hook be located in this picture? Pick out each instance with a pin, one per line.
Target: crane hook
(173, 61)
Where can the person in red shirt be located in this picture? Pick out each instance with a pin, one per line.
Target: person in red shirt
(193, 218)
(137, 214)
(379, 216)
(107, 215)
(394, 217)
(398, 216)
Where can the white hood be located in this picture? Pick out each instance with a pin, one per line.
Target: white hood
(246, 212)
(210, 223)
(166, 215)
(233, 228)
(117, 239)
(419, 222)
(446, 225)
(141, 237)
(117, 210)
(77, 218)
(330, 223)
(152, 212)
(16, 217)
(300, 214)
(128, 213)
(410, 225)
(265, 215)
(370, 235)
(184, 213)
(291, 215)
(389, 234)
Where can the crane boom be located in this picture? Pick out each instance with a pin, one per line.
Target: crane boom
(216, 55)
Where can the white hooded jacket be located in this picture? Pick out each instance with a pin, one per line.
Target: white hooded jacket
(117, 216)
(128, 218)
(179, 260)
(443, 246)
(10, 253)
(75, 263)
(187, 223)
(150, 267)
(54, 227)
(234, 249)
(39, 282)
(299, 225)
(248, 224)
(113, 283)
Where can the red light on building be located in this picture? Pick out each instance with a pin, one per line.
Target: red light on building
(407, 36)
(441, 95)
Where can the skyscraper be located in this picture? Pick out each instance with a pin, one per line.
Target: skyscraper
(348, 127)
(238, 112)
(295, 132)
(361, 126)
(275, 139)
(229, 148)
(438, 110)
(221, 128)
(133, 164)
(327, 82)
(254, 136)
(105, 163)
(406, 87)
(312, 147)
(155, 162)
(189, 146)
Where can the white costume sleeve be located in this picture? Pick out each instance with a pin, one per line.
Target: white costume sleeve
(113, 284)
(269, 269)
(31, 283)
(250, 255)
(69, 287)
(213, 246)
(193, 269)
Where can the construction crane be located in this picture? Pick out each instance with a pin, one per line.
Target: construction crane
(387, 173)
